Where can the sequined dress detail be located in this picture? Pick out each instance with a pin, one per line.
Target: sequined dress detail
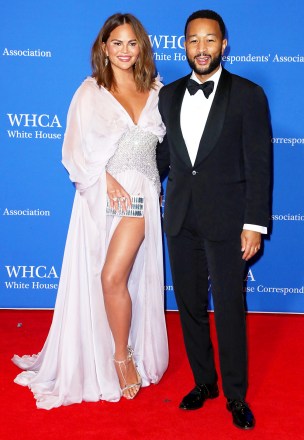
(136, 151)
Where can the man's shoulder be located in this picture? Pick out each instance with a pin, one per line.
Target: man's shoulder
(241, 81)
(175, 84)
(246, 90)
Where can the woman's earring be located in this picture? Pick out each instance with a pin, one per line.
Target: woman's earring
(106, 62)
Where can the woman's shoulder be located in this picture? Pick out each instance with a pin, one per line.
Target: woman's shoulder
(88, 86)
(157, 84)
(88, 92)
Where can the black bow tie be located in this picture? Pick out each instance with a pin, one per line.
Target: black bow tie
(206, 87)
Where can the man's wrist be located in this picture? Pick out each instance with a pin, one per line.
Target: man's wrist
(255, 228)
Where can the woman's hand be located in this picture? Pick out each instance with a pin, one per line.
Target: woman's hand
(117, 193)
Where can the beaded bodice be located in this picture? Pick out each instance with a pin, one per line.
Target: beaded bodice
(136, 151)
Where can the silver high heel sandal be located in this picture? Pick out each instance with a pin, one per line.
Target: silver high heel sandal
(123, 371)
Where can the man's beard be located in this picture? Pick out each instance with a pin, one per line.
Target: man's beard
(203, 70)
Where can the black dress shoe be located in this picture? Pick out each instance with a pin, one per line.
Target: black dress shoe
(196, 398)
(241, 414)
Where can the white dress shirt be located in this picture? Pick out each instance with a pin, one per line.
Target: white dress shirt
(194, 113)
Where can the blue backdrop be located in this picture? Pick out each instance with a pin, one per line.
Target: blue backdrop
(45, 55)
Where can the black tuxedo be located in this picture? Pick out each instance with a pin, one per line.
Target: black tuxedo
(229, 181)
(206, 207)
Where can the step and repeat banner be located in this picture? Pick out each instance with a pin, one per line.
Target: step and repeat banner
(45, 55)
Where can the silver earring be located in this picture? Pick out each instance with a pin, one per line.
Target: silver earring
(106, 61)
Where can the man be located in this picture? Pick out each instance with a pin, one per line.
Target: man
(217, 205)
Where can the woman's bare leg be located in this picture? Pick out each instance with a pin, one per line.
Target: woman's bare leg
(120, 258)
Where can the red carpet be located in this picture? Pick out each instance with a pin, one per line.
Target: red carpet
(275, 393)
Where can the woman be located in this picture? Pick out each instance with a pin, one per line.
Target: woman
(110, 298)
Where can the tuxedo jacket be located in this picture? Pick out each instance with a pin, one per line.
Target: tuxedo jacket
(229, 183)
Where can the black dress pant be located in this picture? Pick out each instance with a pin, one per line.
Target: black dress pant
(193, 258)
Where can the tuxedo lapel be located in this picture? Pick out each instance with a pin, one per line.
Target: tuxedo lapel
(175, 127)
(216, 117)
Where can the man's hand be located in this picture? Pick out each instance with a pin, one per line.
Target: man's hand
(250, 243)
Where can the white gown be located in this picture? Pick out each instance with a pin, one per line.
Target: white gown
(76, 361)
